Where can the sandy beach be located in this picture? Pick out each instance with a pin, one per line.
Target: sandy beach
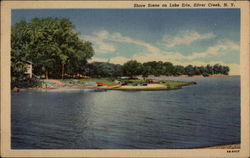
(148, 87)
(231, 146)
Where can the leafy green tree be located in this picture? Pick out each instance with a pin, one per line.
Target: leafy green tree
(216, 68)
(209, 69)
(169, 68)
(225, 70)
(146, 70)
(189, 70)
(132, 68)
(104, 69)
(52, 45)
(178, 70)
(19, 51)
(156, 68)
(197, 70)
(118, 70)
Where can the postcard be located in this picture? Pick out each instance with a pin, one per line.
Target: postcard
(125, 79)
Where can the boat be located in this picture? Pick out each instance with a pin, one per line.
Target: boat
(101, 84)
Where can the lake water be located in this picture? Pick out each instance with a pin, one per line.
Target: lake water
(199, 115)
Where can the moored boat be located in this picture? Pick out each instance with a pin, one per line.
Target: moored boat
(101, 84)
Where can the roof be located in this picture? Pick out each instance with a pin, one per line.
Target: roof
(27, 62)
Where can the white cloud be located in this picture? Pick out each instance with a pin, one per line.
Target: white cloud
(219, 49)
(117, 37)
(98, 40)
(102, 39)
(114, 60)
(186, 37)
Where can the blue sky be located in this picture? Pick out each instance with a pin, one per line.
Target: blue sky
(181, 36)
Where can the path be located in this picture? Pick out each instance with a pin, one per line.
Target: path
(58, 83)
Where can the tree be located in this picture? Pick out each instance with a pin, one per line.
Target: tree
(178, 70)
(132, 68)
(217, 68)
(146, 69)
(209, 69)
(104, 69)
(189, 70)
(197, 70)
(225, 70)
(156, 68)
(52, 45)
(168, 68)
(19, 50)
(118, 70)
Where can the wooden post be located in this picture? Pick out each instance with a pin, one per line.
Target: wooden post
(62, 70)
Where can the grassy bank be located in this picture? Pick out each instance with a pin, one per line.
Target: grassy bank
(107, 81)
(163, 85)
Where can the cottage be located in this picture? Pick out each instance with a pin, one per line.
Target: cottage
(28, 67)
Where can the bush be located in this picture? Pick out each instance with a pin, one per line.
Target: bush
(26, 83)
(205, 74)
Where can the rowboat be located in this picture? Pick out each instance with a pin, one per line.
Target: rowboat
(101, 84)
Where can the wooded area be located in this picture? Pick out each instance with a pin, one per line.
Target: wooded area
(51, 44)
(156, 68)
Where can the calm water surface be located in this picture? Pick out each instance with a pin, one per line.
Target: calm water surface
(200, 115)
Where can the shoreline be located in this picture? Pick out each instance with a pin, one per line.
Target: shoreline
(114, 87)
(119, 87)
(101, 88)
(229, 146)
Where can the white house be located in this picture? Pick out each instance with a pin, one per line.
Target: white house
(28, 67)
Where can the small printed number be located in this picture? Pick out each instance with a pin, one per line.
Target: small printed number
(233, 151)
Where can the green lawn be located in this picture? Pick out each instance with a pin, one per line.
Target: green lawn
(107, 81)
(169, 83)
(175, 84)
(133, 80)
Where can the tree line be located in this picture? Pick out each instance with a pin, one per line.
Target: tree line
(133, 68)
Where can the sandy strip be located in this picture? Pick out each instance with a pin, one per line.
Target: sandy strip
(57, 82)
(231, 146)
(149, 86)
(62, 88)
